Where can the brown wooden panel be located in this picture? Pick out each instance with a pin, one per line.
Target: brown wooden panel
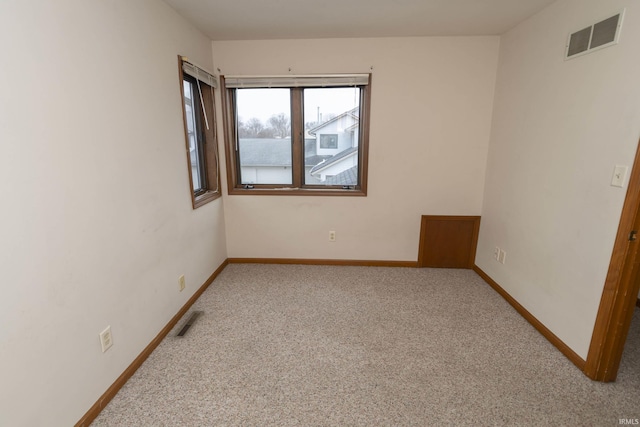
(448, 241)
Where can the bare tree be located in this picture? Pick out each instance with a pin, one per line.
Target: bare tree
(243, 132)
(280, 124)
(267, 133)
(254, 126)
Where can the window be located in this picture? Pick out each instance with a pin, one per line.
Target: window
(264, 148)
(300, 135)
(329, 140)
(199, 125)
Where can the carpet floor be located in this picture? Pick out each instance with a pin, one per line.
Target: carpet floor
(293, 345)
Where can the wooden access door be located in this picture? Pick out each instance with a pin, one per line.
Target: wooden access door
(448, 241)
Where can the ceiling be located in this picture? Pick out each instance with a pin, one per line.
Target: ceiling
(303, 19)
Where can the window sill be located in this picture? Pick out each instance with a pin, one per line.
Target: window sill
(205, 198)
(338, 192)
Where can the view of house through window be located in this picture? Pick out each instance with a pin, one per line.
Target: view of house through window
(303, 134)
(331, 133)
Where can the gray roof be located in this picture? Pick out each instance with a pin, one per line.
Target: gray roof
(277, 152)
(334, 159)
(265, 152)
(310, 147)
(272, 152)
(346, 177)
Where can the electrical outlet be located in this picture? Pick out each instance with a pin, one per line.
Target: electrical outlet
(496, 253)
(332, 236)
(181, 283)
(106, 340)
(502, 256)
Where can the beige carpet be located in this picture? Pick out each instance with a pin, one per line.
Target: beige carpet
(362, 346)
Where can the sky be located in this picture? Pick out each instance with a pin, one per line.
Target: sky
(264, 103)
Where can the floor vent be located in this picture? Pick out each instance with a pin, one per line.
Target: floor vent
(194, 316)
(596, 36)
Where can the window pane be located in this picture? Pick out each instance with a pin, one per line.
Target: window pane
(331, 122)
(264, 136)
(194, 152)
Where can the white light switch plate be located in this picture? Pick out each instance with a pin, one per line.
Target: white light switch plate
(619, 175)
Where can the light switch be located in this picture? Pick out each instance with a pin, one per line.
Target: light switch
(619, 174)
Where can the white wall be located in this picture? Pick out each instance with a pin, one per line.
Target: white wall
(430, 118)
(96, 221)
(559, 128)
(266, 174)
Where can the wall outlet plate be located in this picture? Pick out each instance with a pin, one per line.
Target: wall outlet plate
(106, 340)
(502, 256)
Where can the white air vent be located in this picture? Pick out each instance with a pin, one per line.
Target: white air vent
(597, 36)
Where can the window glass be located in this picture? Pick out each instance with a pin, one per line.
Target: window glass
(264, 136)
(332, 127)
(191, 119)
(328, 140)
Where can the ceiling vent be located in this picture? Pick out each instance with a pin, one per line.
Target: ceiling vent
(597, 36)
